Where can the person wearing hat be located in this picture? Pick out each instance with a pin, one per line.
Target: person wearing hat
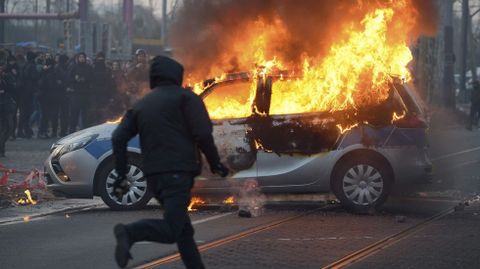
(172, 123)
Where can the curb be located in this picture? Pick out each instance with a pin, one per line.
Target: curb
(53, 212)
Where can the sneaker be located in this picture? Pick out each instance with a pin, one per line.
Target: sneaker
(122, 250)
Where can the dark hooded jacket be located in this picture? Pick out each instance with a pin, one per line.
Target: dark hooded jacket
(81, 76)
(62, 76)
(30, 77)
(102, 82)
(171, 122)
(48, 82)
(12, 75)
(7, 103)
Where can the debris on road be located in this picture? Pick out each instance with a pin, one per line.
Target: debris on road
(26, 192)
(400, 219)
(251, 200)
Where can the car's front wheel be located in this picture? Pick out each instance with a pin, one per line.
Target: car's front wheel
(136, 197)
(362, 184)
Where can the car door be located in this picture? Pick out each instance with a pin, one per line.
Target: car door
(229, 106)
(291, 146)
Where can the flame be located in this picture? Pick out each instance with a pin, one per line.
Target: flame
(195, 201)
(346, 129)
(229, 200)
(396, 117)
(28, 200)
(115, 121)
(356, 71)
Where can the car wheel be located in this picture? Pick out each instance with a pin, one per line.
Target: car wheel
(137, 196)
(362, 185)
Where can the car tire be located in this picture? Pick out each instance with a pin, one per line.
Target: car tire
(362, 185)
(136, 198)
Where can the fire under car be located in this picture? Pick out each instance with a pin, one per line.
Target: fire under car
(360, 155)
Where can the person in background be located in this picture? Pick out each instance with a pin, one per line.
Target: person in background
(118, 104)
(7, 107)
(12, 76)
(46, 97)
(36, 117)
(137, 77)
(29, 78)
(102, 88)
(81, 93)
(61, 98)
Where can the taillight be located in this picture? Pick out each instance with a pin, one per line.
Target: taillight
(410, 121)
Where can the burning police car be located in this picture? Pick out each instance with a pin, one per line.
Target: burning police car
(358, 154)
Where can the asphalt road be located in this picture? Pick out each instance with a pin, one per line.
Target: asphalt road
(313, 236)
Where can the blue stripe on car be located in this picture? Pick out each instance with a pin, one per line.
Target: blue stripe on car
(366, 135)
(388, 136)
(99, 147)
(407, 137)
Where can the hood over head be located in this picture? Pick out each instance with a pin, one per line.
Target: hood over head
(164, 69)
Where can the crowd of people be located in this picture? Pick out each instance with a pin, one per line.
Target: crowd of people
(55, 95)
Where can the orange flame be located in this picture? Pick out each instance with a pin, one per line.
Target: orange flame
(28, 200)
(229, 200)
(115, 121)
(195, 201)
(396, 117)
(356, 72)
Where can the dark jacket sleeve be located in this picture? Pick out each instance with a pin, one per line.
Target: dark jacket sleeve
(200, 127)
(120, 137)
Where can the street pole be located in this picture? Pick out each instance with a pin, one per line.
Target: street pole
(2, 22)
(473, 50)
(448, 81)
(464, 49)
(164, 23)
(36, 21)
(47, 9)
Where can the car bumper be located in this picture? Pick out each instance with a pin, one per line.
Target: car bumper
(71, 175)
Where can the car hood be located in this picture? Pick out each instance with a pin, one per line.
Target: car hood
(104, 131)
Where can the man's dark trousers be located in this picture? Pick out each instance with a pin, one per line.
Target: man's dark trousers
(173, 191)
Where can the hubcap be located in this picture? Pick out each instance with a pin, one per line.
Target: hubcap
(137, 184)
(362, 184)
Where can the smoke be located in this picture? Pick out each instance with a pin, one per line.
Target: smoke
(208, 33)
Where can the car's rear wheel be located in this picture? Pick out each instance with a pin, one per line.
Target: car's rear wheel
(137, 196)
(362, 184)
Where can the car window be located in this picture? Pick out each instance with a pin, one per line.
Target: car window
(230, 101)
(284, 102)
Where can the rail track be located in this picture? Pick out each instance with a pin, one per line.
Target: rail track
(229, 239)
(340, 263)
